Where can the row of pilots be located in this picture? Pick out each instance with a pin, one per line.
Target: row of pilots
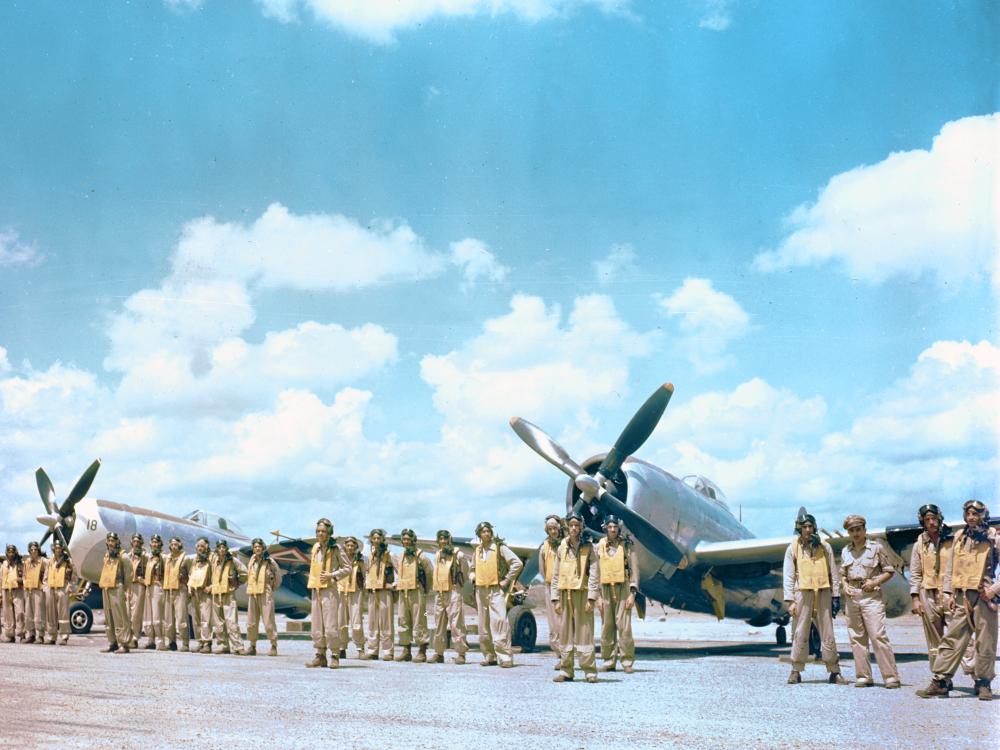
(953, 587)
(155, 592)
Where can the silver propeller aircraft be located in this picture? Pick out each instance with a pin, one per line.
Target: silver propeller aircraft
(693, 553)
(82, 523)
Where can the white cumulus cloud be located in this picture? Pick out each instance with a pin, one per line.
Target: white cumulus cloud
(477, 262)
(708, 321)
(923, 211)
(13, 252)
(378, 21)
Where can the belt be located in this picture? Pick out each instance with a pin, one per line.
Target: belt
(856, 581)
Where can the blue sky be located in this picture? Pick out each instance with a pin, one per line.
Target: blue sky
(289, 258)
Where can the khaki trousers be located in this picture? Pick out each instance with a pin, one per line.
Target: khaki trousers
(494, 630)
(554, 621)
(260, 607)
(57, 614)
(351, 620)
(135, 599)
(175, 616)
(616, 625)
(326, 619)
(34, 613)
(225, 617)
(155, 601)
(814, 606)
(449, 614)
(866, 625)
(412, 613)
(952, 647)
(934, 620)
(200, 604)
(12, 602)
(577, 632)
(117, 625)
(380, 625)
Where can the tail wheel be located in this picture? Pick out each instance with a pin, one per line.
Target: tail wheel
(81, 618)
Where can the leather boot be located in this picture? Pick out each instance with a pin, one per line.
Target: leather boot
(123, 649)
(436, 659)
(608, 667)
(162, 647)
(252, 649)
(937, 689)
(28, 639)
(983, 691)
(795, 677)
(421, 654)
(274, 649)
(111, 648)
(343, 653)
(405, 655)
(460, 659)
(334, 659)
(318, 661)
(836, 678)
(150, 644)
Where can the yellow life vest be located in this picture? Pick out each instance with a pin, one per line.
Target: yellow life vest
(199, 572)
(172, 572)
(407, 580)
(442, 573)
(57, 574)
(968, 564)
(573, 570)
(220, 577)
(814, 572)
(33, 575)
(549, 555)
(319, 565)
(934, 560)
(257, 578)
(349, 584)
(612, 562)
(375, 576)
(109, 573)
(151, 565)
(138, 568)
(10, 576)
(488, 569)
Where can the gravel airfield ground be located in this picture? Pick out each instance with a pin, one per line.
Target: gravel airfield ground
(698, 684)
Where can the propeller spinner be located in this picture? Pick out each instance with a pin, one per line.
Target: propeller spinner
(597, 489)
(60, 517)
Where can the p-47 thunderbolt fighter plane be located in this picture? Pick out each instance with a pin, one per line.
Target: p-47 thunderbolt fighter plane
(693, 553)
(82, 524)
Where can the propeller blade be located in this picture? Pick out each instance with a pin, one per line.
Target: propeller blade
(46, 535)
(46, 490)
(80, 489)
(529, 571)
(536, 439)
(638, 430)
(646, 533)
(62, 538)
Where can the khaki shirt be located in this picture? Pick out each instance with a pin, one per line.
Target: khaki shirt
(917, 560)
(856, 567)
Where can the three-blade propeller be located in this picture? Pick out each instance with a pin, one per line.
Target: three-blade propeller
(58, 518)
(595, 489)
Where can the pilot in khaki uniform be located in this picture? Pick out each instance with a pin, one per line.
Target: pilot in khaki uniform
(12, 588)
(263, 576)
(554, 534)
(116, 572)
(574, 589)
(928, 561)
(494, 571)
(352, 591)
(176, 573)
(811, 584)
(34, 595)
(58, 579)
(864, 569)
(327, 566)
(413, 578)
(227, 575)
(971, 596)
(451, 569)
(135, 593)
(379, 579)
(200, 595)
(618, 572)
(153, 581)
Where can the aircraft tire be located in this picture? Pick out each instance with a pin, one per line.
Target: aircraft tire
(781, 636)
(523, 628)
(81, 618)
